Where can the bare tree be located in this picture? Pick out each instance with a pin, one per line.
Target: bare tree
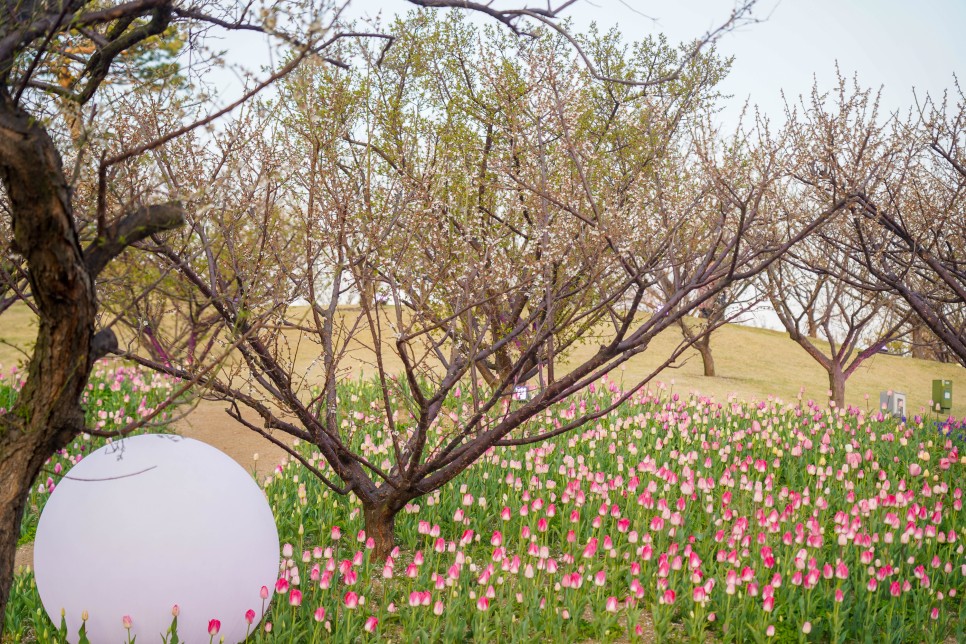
(722, 188)
(911, 237)
(842, 145)
(852, 324)
(906, 228)
(59, 61)
(725, 307)
(382, 200)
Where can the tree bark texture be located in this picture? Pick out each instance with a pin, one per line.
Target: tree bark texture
(47, 413)
(380, 519)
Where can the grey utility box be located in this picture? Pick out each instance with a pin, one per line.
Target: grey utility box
(893, 402)
(942, 395)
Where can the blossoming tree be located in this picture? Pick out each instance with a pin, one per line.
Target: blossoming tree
(485, 203)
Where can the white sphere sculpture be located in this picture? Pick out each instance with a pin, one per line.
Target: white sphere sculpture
(148, 522)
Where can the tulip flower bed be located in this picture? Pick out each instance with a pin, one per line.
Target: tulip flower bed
(116, 395)
(671, 518)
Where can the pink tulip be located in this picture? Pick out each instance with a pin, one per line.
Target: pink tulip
(370, 624)
(249, 616)
(213, 627)
(351, 600)
(841, 570)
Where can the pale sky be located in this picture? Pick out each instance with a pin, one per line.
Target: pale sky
(893, 44)
(896, 44)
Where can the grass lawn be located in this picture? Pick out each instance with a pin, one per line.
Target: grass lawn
(751, 363)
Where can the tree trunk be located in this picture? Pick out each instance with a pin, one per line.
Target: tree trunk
(812, 328)
(923, 342)
(381, 527)
(704, 348)
(48, 413)
(20, 461)
(836, 382)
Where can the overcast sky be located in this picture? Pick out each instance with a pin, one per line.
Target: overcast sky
(896, 44)
(893, 44)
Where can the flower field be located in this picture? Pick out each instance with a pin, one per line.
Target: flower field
(115, 396)
(673, 518)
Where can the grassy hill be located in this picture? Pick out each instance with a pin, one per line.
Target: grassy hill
(752, 363)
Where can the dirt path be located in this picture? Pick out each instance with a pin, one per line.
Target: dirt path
(209, 423)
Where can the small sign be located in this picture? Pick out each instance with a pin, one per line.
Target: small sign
(521, 392)
(893, 402)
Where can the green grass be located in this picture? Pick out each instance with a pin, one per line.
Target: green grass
(741, 485)
(752, 363)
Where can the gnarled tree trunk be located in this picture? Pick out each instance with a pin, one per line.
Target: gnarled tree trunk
(48, 414)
